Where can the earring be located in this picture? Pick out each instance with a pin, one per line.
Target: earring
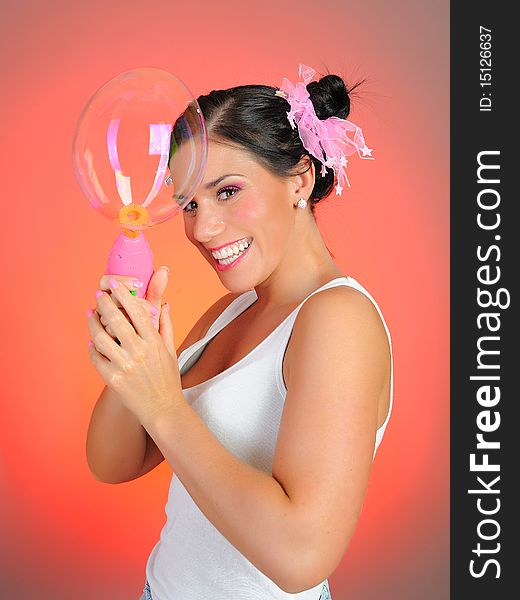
(302, 203)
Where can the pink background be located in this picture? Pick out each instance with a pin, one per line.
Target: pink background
(63, 534)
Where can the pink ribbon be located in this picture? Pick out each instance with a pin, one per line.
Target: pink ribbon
(322, 136)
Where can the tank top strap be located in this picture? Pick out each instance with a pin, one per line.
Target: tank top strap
(232, 310)
(332, 283)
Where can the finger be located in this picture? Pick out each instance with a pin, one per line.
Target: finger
(166, 329)
(108, 329)
(139, 316)
(104, 366)
(142, 301)
(119, 324)
(102, 342)
(157, 286)
(132, 283)
(101, 363)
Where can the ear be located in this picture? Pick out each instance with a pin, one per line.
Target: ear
(301, 185)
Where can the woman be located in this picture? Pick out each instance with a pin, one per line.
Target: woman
(272, 409)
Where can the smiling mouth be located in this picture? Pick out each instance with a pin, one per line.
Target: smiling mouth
(224, 262)
(231, 253)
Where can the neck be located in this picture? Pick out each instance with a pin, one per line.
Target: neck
(306, 266)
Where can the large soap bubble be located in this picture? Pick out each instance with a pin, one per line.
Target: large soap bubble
(139, 154)
(123, 141)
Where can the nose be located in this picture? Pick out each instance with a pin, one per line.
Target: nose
(208, 223)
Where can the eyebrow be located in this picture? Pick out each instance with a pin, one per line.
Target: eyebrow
(211, 184)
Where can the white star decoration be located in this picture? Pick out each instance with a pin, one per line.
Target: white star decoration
(366, 151)
(330, 162)
(323, 170)
(343, 161)
(338, 188)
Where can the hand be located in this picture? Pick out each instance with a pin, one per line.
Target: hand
(143, 369)
(154, 295)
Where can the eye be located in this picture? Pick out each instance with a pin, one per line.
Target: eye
(225, 190)
(186, 208)
(230, 188)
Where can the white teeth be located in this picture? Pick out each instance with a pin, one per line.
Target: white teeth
(232, 250)
(227, 261)
(229, 255)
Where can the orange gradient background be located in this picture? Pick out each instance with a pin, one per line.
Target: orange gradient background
(65, 535)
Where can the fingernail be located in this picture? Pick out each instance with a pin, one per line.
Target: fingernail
(99, 293)
(154, 320)
(165, 267)
(89, 343)
(90, 312)
(113, 283)
(154, 311)
(138, 284)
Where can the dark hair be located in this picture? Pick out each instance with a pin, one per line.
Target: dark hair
(251, 116)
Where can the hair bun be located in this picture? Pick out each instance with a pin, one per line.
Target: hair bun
(330, 97)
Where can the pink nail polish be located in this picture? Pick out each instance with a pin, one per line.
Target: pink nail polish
(89, 343)
(99, 293)
(138, 284)
(90, 312)
(113, 283)
(154, 311)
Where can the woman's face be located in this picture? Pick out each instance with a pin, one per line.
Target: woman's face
(239, 201)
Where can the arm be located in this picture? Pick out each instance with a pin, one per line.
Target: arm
(328, 428)
(294, 525)
(116, 440)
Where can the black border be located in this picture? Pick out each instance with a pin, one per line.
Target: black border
(474, 131)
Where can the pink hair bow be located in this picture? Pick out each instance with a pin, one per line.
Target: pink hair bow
(322, 137)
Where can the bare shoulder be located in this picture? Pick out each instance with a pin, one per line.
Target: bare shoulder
(338, 313)
(345, 299)
(201, 327)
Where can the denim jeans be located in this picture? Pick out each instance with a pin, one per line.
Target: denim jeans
(325, 592)
(147, 594)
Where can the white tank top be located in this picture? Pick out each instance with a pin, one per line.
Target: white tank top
(242, 406)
